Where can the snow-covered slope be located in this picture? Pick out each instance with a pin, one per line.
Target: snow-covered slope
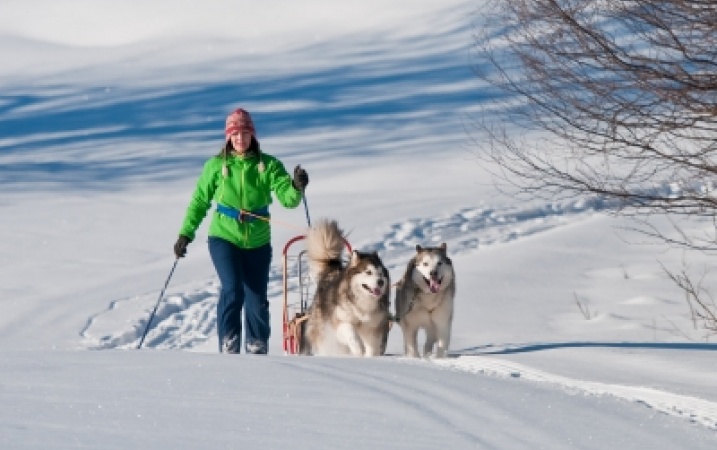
(565, 334)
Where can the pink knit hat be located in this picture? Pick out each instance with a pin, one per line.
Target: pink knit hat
(237, 121)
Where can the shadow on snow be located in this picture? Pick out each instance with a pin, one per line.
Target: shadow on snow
(91, 137)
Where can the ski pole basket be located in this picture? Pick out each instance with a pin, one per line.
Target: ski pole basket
(299, 289)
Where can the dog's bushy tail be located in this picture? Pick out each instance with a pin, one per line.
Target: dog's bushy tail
(324, 245)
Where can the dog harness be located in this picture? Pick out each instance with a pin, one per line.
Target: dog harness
(241, 215)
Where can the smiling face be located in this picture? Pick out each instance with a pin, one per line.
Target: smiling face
(241, 140)
(433, 270)
(368, 275)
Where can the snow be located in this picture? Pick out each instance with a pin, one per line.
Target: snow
(567, 332)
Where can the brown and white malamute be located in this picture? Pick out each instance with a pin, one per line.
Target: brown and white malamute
(350, 311)
(424, 299)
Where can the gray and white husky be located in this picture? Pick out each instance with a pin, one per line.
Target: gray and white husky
(424, 299)
(350, 311)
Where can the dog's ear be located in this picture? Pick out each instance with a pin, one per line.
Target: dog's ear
(444, 252)
(354, 258)
(419, 249)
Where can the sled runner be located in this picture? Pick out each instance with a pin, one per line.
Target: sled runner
(298, 295)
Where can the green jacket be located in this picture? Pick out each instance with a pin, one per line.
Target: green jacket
(245, 188)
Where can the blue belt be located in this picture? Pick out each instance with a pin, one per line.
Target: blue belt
(241, 215)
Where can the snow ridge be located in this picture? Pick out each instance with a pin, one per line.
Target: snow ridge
(697, 410)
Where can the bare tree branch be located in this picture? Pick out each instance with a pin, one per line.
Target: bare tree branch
(622, 93)
(617, 99)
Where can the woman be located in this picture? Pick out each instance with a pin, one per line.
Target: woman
(240, 180)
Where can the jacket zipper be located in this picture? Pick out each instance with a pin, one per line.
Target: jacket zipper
(242, 188)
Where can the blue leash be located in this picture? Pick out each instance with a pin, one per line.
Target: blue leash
(243, 216)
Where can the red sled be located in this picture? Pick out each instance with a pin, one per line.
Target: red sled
(297, 294)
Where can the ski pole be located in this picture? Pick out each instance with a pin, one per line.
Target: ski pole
(154, 311)
(306, 207)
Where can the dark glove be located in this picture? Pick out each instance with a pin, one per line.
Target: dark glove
(301, 178)
(180, 248)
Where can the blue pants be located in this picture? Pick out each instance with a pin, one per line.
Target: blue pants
(244, 276)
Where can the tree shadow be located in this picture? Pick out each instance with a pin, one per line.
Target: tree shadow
(74, 135)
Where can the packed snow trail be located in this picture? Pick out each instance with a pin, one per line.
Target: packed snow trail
(338, 403)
